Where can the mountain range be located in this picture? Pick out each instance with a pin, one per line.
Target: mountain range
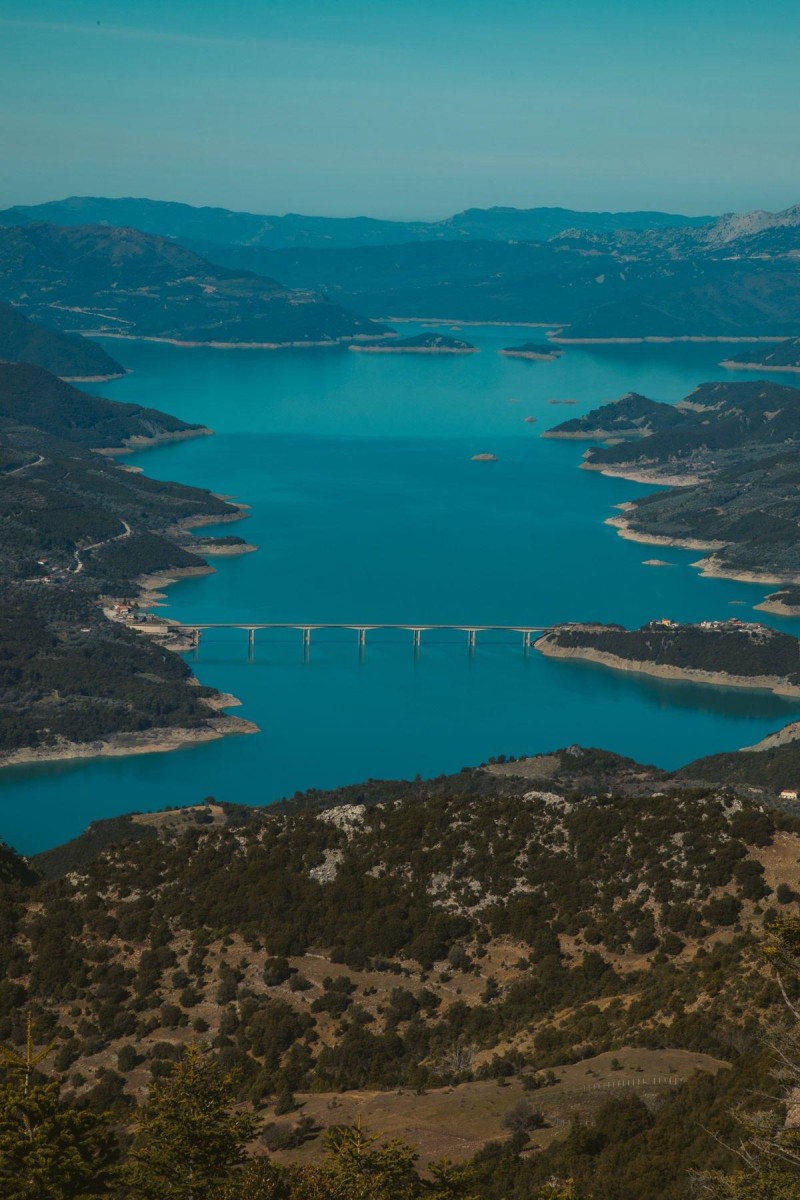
(211, 273)
(226, 227)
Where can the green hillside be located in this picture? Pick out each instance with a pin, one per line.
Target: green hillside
(63, 354)
(126, 283)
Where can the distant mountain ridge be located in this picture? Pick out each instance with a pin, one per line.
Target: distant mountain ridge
(228, 227)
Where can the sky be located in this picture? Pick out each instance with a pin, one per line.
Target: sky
(403, 109)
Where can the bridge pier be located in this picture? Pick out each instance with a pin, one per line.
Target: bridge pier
(306, 644)
(417, 643)
(251, 643)
(526, 640)
(471, 640)
(362, 639)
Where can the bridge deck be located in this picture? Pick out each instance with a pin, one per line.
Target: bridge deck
(355, 626)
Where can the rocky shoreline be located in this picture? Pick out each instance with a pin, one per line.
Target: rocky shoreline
(709, 567)
(655, 476)
(625, 530)
(731, 364)
(93, 378)
(773, 683)
(140, 337)
(140, 442)
(658, 340)
(149, 741)
(413, 350)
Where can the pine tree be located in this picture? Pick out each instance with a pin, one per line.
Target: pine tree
(188, 1138)
(261, 1179)
(357, 1167)
(49, 1151)
(769, 1151)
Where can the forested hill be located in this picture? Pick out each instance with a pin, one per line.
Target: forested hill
(732, 448)
(475, 946)
(66, 355)
(722, 424)
(31, 397)
(74, 525)
(631, 416)
(586, 292)
(15, 870)
(732, 650)
(124, 282)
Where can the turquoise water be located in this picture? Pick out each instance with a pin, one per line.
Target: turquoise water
(367, 507)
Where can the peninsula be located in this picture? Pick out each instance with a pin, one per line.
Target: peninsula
(66, 355)
(721, 653)
(632, 416)
(78, 528)
(727, 452)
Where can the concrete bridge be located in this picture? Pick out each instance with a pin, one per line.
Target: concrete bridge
(307, 628)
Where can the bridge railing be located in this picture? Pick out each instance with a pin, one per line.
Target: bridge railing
(195, 630)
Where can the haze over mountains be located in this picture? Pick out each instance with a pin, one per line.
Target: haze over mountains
(156, 269)
(227, 227)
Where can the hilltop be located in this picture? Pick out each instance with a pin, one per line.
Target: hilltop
(632, 416)
(453, 938)
(125, 283)
(70, 357)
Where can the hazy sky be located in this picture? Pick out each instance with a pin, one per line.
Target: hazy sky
(404, 108)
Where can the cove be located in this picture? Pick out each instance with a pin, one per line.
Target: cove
(367, 507)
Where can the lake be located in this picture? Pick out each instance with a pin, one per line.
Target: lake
(367, 507)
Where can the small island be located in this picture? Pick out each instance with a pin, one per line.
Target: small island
(783, 357)
(484, 458)
(728, 653)
(534, 351)
(421, 343)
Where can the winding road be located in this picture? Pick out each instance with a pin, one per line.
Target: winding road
(119, 537)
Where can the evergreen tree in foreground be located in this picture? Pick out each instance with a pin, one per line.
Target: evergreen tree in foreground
(187, 1137)
(770, 1147)
(48, 1150)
